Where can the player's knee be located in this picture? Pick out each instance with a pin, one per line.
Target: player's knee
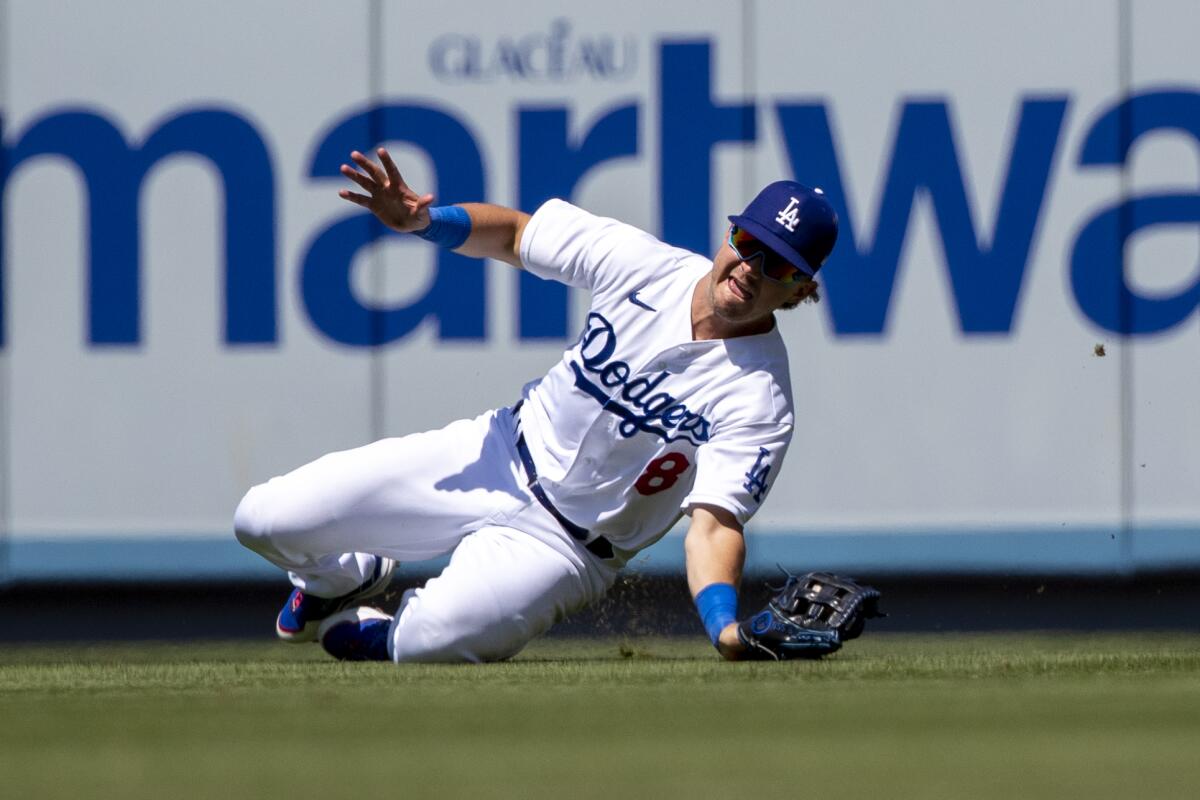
(429, 637)
(433, 635)
(251, 522)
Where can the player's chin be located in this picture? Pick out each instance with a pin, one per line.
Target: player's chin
(735, 310)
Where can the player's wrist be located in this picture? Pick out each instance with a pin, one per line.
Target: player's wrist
(717, 606)
(418, 222)
(448, 226)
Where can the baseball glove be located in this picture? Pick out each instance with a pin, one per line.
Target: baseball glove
(809, 616)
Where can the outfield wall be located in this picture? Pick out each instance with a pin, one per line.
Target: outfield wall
(186, 308)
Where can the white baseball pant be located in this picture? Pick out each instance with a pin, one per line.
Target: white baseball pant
(513, 573)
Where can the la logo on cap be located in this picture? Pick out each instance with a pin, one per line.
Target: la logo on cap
(789, 217)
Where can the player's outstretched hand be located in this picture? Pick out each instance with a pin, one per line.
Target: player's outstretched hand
(388, 196)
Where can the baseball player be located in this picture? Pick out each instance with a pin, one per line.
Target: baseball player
(675, 399)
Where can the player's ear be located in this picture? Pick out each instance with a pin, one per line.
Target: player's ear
(804, 291)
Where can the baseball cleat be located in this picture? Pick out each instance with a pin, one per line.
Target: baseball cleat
(357, 634)
(302, 614)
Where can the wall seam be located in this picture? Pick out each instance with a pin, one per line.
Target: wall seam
(377, 379)
(1126, 358)
(5, 354)
(749, 77)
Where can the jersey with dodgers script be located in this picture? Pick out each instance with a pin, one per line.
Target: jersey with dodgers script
(638, 421)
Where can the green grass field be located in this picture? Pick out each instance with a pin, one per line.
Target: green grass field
(892, 716)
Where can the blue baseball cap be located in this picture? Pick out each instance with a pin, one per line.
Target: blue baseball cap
(795, 221)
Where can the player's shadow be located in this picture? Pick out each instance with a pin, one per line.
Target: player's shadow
(491, 470)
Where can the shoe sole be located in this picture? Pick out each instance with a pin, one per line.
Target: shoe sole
(309, 632)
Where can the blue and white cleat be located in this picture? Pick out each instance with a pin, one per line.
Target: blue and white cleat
(357, 634)
(302, 614)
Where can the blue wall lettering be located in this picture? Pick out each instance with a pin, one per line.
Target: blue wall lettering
(1098, 276)
(558, 55)
(692, 124)
(986, 281)
(986, 264)
(552, 166)
(457, 298)
(114, 170)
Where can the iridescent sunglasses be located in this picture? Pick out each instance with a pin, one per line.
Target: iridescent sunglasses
(773, 266)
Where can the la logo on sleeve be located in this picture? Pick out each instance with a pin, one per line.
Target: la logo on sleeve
(790, 216)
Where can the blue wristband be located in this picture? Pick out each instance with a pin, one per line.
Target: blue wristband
(449, 226)
(717, 604)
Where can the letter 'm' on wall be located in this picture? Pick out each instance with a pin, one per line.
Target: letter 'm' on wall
(113, 171)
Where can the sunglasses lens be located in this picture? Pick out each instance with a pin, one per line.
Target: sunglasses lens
(742, 242)
(777, 269)
(773, 266)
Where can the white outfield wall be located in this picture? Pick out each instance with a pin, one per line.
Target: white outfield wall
(187, 308)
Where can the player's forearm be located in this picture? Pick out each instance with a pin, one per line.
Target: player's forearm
(495, 233)
(716, 553)
(713, 556)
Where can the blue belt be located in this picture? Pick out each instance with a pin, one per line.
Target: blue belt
(598, 546)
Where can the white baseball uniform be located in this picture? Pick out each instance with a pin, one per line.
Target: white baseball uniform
(542, 504)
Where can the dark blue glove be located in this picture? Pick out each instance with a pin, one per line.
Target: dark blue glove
(810, 616)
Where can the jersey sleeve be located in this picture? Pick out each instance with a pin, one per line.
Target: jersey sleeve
(736, 471)
(567, 244)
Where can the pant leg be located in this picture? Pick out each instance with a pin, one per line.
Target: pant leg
(409, 498)
(502, 588)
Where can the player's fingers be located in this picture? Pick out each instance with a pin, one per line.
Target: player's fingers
(418, 204)
(369, 167)
(356, 176)
(357, 199)
(390, 167)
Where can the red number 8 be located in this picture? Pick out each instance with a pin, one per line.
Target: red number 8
(661, 473)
